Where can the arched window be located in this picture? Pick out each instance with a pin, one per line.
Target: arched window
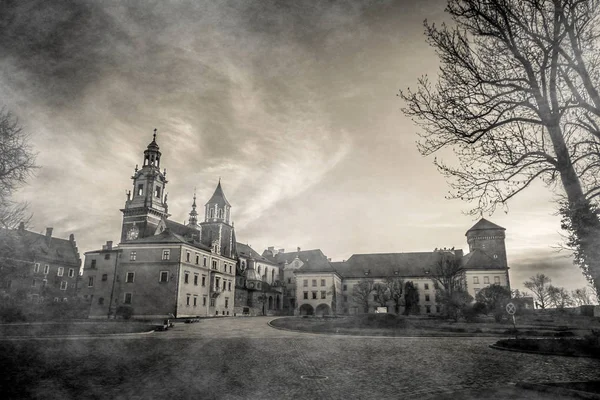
(266, 273)
(220, 213)
(272, 276)
(212, 213)
(259, 269)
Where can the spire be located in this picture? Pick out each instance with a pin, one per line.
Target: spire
(218, 197)
(152, 153)
(194, 213)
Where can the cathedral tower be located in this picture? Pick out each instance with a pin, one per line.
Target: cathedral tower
(146, 207)
(217, 228)
(489, 238)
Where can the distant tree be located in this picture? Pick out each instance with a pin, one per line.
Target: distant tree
(495, 298)
(559, 297)
(539, 285)
(517, 294)
(395, 285)
(361, 293)
(17, 164)
(454, 304)
(381, 294)
(581, 297)
(411, 299)
(333, 299)
(447, 276)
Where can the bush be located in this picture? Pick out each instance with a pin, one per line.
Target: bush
(11, 313)
(125, 312)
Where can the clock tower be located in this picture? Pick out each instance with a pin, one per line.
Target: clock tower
(146, 206)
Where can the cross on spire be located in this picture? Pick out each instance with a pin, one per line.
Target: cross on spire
(154, 136)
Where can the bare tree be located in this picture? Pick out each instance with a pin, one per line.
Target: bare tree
(516, 101)
(581, 297)
(411, 298)
(361, 293)
(17, 163)
(559, 297)
(381, 294)
(539, 285)
(447, 271)
(395, 285)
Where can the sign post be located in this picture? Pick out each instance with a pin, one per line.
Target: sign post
(511, 309)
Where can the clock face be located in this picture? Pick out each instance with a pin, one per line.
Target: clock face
(133, 233)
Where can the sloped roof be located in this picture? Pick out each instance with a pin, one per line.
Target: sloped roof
(484, 224)
(478, 259)
(218, 197)
(31, 246)
(314, 256)
(243, 250)
(309, 266)
(388, 264)
(181, 229)
(167, 237)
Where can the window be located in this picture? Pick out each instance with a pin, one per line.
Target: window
(224, 285)
(426, 297)
(428, 309)
(289, 280)
(130, 276)
(104, 277)
(477, 291)
(345, 299)
(203, 280)
(217, 283)
(36, 267)
(323, 294)
(305, 295)
(497, 280)
(101, 300)
(157, 191)
(186, 277)
(188, 256)
(71, 272)
(46, 269)
(204, 300)
(230, 269)
(314, 295)
(259, 269)
(476, 279)
(107, 256)
(214, 264)
(93, 265)
(345, 287)
(127, 299)
(61, 271)
(322, 282)
(187, 299)
(486, 280)
(140, 189)
(226, 302)
(314, 282)
(63, 285)
(164, 276)
(305, 283)
(426, 286)
(229, 285)
(56, 299)
(44, 282)
(437, 309)
(196, 279)
(33, 283)
(195, 300)
(132, 256)
(212, 302)
(204, 262)
(166, 254)
(64, 299)
(197, 259)
(90, 281)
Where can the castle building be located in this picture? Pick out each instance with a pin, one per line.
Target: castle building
(161, 267)
(38, 266)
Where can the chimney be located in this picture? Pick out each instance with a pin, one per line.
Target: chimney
(281, 251)
(21, 226)
(109, 245)
(48, 236)
(271, 250)
(298, 249)
(71, 238)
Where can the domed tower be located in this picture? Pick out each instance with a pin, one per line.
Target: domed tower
(145, 209)
(489, 238)
(193, 222)
(217, 228)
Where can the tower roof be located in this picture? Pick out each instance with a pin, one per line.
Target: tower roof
(483, 224)
(218, 197)
(153, 145)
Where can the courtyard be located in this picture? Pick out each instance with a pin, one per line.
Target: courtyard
(245, 358)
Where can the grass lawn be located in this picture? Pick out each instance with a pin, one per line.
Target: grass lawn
(570, 347)
(392, 325)
(73, 328)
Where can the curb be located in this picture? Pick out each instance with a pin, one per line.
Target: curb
(540, 387)
(76, 336)
(541, 353)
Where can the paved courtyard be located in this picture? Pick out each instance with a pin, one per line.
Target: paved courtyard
(244, 358)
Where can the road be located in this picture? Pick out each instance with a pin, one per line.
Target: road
(245, 358)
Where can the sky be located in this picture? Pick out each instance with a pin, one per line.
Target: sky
(293, 105)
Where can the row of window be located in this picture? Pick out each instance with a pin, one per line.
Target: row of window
(314, 295)
(194, 297)
(314, 282)
(140, 188)
(39, 299)
(486, 280)
(63, 284)
(59, 272)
